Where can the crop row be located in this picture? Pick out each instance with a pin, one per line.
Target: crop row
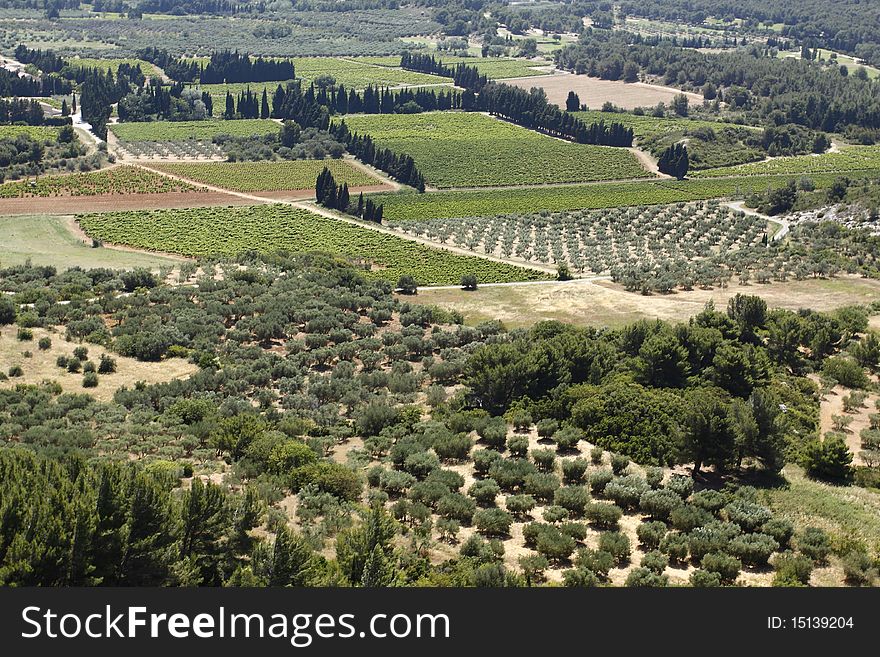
(463, 149)
(602, 241)
(118, 180)
(269, 176)
(269, 228)
(418, 207)
(38, 132)
(183, 130)
(850, 158)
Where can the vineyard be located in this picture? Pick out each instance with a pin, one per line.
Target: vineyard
(497, 68)
(38, 132)
(602, 241)
(229, 231)
(269, 176)
(481, 203)
(354, 74)
(113, 65)
(118, 180)
(850, 158)
(171, 131)
(456, 149)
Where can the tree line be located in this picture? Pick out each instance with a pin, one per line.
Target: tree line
(337, 197)
(27, 110)
(228, 66)
(531, 110)
(768, 89)
(399, 166)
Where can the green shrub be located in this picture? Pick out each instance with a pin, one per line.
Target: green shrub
(572, 498)
(596, 455)
(545, 459)
(484, 492)
(654, 477)
(520, 505)
(603, 515)
(815, 543)
(686, 518)
(792, 569)
(748, 515)
(494, 432)
(676, 546)
(645, 577)
(859, 569)
(518, 446)
(724, 565)
(44, 343)
(619, 463)
(25, 335)
(16, 371)
(573, 470)
(567, 438)
(492, 522)
(554, 513)
(599, 480)
(597, 562)
(81, 352)
(681, 485)
(74, 365)
(483, 460)
(650, 534)
(703, 579)
(547, 427)
(659, 504)
(579, 578)
(828, 459)
(542, 485)
(781, 530)
(617, 545)
(655, 561)
(753, 549)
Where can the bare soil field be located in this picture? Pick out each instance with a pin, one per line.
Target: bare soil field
(602, 303)
(41, 365)
(112, 202)
(594, 92)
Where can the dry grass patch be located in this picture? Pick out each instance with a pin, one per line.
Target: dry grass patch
(41, 366)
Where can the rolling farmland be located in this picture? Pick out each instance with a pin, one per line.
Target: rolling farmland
(158, 131)
(454, 149)
(269, 176)
(269, 228)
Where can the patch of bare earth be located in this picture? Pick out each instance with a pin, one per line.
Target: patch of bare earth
(832, 405)
(595, 92)
(603, 303)
(41, 366)
(113, 202)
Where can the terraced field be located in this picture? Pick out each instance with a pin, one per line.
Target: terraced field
(157, 131)
(229, 231)
(850, 158)
(457, 149)
(118, 180)
(269, 176)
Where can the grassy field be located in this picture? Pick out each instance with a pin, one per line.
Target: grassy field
(39, 132)
(479, 203)
(48, 240)
(269, 176)
(602, 303)
(457, 149)
(113, 64)
(230, 231)
(183, 130)
(118, 180)
(844, 511)
(650, 126)
(498, 69)
(357, 74)
(850, 158)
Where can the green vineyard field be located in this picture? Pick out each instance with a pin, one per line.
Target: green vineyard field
(268, 228)
(458, 149)
(185, 130)
(269, 176)
(417, 207)
(118, 180)
(850, 158)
